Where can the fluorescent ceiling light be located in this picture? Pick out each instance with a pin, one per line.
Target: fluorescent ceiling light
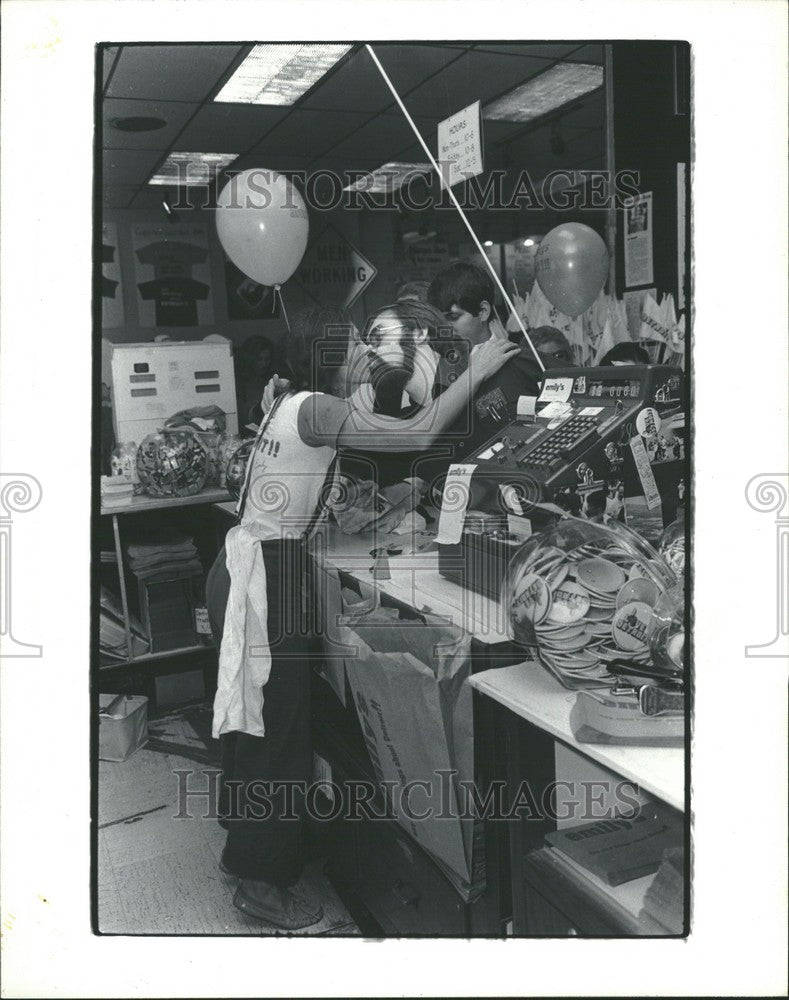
(184, 169)
(279, 74)
(389, 177)
(550, 90)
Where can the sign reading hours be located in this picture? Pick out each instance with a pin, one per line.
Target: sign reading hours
(460, 143)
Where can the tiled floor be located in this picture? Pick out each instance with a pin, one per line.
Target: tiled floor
(160, 875)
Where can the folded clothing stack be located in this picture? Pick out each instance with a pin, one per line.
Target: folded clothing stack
(116, 491)
(164, 560)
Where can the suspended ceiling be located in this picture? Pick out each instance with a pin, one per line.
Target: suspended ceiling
(347, 121)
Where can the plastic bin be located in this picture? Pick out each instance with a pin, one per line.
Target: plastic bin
(126, 730)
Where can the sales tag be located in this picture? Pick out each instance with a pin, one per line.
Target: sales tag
(645, 473)
(590, 411)
(454, 503)
(556, 390)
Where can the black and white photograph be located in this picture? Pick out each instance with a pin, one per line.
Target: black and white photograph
(393, 518)
(328, 635)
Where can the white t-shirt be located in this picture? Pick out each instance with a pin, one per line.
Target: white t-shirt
(290, 463)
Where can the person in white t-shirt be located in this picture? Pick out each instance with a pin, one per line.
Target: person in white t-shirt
(256, 600)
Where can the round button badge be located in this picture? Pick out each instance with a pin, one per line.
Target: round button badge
(531, 599)
(631, 626)
(648, 422)
(570, 603)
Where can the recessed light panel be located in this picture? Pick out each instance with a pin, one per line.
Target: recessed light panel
(279, 74)
(550, 90)
(185, 169)
(389, 177)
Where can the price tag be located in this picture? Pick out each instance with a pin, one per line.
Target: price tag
(645, 473)
(454, 503)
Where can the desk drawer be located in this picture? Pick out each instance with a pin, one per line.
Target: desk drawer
(403, 890)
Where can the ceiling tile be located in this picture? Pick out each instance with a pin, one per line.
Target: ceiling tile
(359, 86)
(383, 137)
(107, 59)
(589, 54)
(176, 115)
(475, 76)
(129, 166)
(308, 134)
(229, 128)
(546, 50)
(117, 195)
(171, 72)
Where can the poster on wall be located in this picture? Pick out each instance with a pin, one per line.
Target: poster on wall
(246, 298)
(173, 275)
(519, 266)
(111, 287)
(639, 269)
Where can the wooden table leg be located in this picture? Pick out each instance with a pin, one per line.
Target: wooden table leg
(122, 580)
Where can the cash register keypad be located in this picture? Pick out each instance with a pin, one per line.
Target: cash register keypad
(560, 443)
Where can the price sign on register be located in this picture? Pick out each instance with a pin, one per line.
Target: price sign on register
(460, 143)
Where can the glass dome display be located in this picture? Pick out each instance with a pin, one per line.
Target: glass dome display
(172, 464)
(236, 467)
(583, 592)
(667, 639)
(672, 546)
(228, 446)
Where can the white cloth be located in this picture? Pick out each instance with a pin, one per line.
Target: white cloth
(245, 657)
(284, 480)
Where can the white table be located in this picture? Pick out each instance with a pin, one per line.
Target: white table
(532, 694)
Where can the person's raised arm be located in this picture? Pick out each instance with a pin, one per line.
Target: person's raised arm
(373, 431)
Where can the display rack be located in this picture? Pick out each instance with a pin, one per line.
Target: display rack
(142, 505)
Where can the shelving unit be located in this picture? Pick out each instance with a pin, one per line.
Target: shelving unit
(553, 896)
(143, 505)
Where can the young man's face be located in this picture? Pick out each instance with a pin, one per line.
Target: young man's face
(467, 326)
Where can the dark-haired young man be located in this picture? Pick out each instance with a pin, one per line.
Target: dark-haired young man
(463, 293)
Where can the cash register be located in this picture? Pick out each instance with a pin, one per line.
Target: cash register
(574, 438)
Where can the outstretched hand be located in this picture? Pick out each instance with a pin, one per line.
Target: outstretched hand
(486, 358)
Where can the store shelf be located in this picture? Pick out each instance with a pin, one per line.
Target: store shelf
(152, 657)
(597, 908)
(142, 504)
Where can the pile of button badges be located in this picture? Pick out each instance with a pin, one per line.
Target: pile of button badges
(585, 594)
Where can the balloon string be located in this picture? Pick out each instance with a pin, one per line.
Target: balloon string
(448, 189)
(278, 294)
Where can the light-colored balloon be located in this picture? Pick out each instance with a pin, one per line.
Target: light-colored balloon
(263, 225)
(571, 266)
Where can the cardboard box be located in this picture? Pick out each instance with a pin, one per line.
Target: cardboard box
(126, 729)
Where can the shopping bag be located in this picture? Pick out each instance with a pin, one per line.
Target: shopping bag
(415, 709)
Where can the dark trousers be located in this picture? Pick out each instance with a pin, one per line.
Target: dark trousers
(264, 777)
